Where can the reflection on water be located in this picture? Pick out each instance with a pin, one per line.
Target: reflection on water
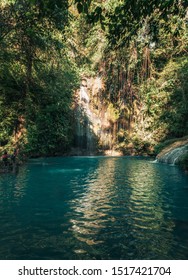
(94, 208)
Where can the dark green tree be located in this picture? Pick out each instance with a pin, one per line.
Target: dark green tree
(35, 86)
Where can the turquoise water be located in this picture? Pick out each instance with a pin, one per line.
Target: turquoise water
(94, 208)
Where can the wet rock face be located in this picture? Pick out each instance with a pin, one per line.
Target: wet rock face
(91, 124)
(86, 122)
(173, 153)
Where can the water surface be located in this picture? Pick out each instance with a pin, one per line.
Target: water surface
(94, 208)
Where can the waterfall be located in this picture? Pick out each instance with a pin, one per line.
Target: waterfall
(85, 138)
(84, 96)
(92, 128)
(174, 155)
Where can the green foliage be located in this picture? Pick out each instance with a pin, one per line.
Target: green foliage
(113, 113)
(7, 123)
(164, 103)
(159, 147)
(49, 115)
(125, 19)
(138, 48)
(146, 78)
(175, 109)
(37, 79)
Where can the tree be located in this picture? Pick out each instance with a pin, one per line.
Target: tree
(33, 79)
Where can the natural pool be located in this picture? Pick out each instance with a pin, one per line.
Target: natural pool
(94, 208)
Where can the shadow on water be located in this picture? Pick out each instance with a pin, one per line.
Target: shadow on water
(94, 208)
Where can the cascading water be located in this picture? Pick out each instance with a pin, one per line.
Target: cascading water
(92, 129)
(85, 138)
(173, 156)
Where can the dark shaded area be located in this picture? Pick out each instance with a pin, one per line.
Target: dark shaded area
(175, 111)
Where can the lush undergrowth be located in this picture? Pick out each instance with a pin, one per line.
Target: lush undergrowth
(141, 58)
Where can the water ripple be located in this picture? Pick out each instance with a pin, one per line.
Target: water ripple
(94, 208)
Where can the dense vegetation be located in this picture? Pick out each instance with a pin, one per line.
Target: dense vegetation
(145, 69)
(36, 76)
(138, 48)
